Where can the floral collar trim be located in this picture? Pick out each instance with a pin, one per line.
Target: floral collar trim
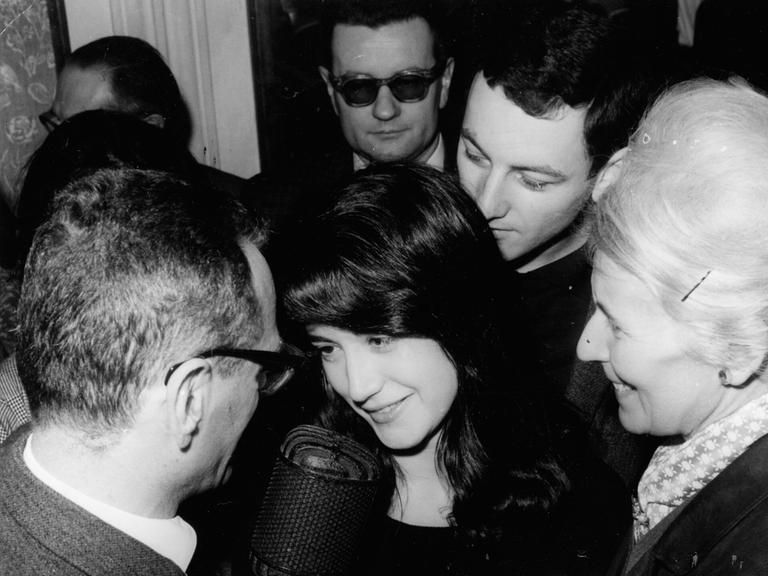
(678, 472)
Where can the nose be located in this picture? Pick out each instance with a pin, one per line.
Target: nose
(386, 106)
(363, 376)
(593, 343)
(488, 194)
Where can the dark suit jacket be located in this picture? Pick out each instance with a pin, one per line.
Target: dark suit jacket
(41, 532)
(286, 195)
(721, 530)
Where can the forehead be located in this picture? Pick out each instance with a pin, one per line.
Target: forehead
(328, 331)
(508, 135)
(382, 51)
(622, 293)
(79, 89)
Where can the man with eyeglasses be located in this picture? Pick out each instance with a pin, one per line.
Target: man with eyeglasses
(387, 76)
(147, 336)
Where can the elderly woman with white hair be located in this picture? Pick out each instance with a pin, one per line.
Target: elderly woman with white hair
(680, 283)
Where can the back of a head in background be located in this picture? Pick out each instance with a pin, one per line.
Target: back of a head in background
(86, 142)
(133, 271)
(122, 73)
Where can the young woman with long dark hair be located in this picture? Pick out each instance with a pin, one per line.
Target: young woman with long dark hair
(396, 292)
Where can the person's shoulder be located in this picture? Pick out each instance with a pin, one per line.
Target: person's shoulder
(285, 195)
(14, 405)
(221, 181)
(595, 513)
(736, 498)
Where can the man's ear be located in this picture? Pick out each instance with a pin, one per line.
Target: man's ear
(187, 395)
(326, 75)
(609, 174)
(156, 120)
(445, 82)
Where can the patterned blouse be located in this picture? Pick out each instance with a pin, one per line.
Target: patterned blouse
(678, 472)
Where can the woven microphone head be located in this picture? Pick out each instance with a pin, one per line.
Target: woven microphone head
(316, 505)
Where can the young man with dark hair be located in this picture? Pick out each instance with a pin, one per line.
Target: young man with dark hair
(552, 100)
(147, 324)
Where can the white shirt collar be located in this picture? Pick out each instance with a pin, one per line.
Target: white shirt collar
(436, 159)
(172, 538)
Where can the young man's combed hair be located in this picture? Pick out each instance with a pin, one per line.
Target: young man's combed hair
(377, 13)
(547, 55)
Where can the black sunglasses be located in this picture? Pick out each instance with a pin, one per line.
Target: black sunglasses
(408, 86)
(276, 367)
(49, 120)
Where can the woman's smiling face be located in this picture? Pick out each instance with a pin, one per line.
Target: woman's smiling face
(661, 389)
(403, 387)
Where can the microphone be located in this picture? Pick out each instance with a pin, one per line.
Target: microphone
(316, 505)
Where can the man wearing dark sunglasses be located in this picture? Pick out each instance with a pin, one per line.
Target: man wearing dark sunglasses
(147, 337)
(388, 78)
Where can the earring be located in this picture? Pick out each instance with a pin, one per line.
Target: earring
(723, 375)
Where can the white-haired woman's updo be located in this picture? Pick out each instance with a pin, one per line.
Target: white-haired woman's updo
(688, 215)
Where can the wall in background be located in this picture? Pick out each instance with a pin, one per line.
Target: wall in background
(27, 84)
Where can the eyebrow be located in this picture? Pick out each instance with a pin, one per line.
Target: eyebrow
(313, 339)
(353, 74)
(544, 169)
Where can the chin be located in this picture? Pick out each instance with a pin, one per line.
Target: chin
(394, 157)
(632, 425)
(410, 443)
(510, 250)
(400, 444)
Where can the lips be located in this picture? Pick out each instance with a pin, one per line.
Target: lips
(498, 231)
(622, 389)
(388, 133)
(386, 413)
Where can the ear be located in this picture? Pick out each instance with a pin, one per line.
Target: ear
(445, 82)
(745, 373)
(609, 174)
(187, 395)
(326, 75)
(156, 120)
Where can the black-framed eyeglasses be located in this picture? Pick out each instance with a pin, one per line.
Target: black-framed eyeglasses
(407, 86)
(276, 368)
(49, 120)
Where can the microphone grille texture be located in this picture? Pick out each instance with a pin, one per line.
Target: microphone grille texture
(316, 505)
